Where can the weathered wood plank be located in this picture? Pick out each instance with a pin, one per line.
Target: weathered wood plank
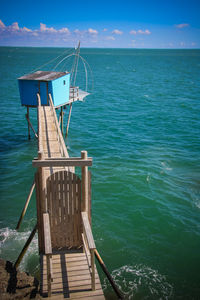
(60, 162)
(88, 230)
(47, 234)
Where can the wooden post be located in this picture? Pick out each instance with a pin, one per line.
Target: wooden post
(84, 173)
(30, 125)
(62, 120)
(105, 270)
(26, 205)
(41, 202)
(93, 268)
(19, 259)
(69, 117)
(27, 116)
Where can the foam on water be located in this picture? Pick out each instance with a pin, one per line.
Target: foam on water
(136, 282)
(11, 244)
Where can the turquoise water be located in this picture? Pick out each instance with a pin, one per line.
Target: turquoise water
(141, 126)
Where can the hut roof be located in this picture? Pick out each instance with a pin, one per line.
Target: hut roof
(43, 75)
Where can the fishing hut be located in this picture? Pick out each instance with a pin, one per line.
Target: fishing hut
(65, 241)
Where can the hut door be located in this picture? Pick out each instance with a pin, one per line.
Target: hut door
(64, 207)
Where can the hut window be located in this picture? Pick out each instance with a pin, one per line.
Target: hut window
(64, 82)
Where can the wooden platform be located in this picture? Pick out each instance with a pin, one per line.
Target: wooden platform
(72, 278)
(60, 199)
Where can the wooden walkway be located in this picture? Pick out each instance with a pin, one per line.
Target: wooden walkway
(70, 269)
(71, 277)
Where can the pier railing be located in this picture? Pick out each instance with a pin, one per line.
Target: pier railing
(73, 93)
(39, 112)
(59, 134)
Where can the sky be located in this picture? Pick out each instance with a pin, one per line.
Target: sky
(101, 23)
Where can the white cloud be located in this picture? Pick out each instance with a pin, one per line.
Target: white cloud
(133, 32)
(144, 32)
(147, 32)
(182, 25)
(14, 26)
(2, 25)
(64, 30)
(110, 38)
(26, 29)
(92, 31)
(44, 28)
(118, 32)
(77, 31)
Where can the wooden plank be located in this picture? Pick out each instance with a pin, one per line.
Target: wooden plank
(47, 234)
(70, 222)
(77, 276)
(68, 162)
(88, 230)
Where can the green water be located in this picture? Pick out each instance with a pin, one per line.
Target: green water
(141, 126)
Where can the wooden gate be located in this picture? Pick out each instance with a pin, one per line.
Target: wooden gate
(63, 196)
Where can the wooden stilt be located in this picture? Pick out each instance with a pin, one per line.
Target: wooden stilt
(19, 259)
(115, 287)
(26, 205)
(30, 125)
(27, 117)
(69, 117)
(61, 119)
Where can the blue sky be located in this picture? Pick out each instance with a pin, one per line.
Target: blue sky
(119, 23)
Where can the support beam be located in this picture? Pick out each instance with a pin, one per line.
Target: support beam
(84, 181)
(69, 117)
(27, 117)
(19, 259)
(26, 205)
(30, 125)
(62, 115)
(62, 162)
(105, 270)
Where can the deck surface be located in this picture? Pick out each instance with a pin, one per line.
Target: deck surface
(72, 278)
(70, 271)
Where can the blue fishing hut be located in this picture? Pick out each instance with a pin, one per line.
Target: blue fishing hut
(44, 82)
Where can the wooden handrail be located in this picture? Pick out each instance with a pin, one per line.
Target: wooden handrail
(47, 234)
(48, 251)
(89, 244)
(63, 147)
(88, 231)
(62, 162)
(39, 108)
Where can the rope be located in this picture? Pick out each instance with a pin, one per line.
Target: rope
(40, 67)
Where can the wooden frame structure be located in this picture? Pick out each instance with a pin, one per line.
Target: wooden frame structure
(66, 244)
(63, 203)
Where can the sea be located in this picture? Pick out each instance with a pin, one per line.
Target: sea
(141, 125)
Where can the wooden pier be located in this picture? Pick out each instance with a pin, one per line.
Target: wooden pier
(66, 244)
